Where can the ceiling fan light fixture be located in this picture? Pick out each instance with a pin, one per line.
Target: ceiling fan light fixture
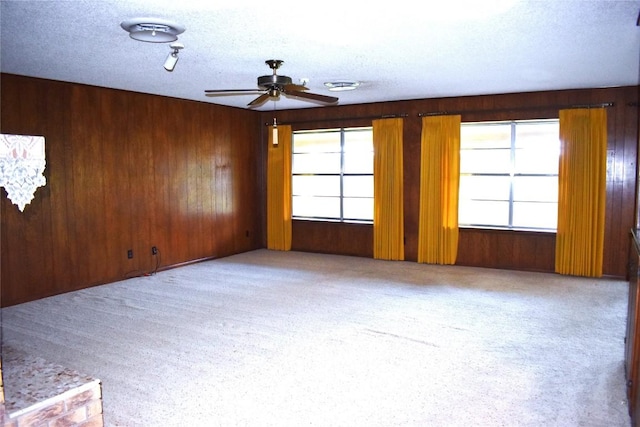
(274, 133)
(274, 94)
(342, 85)
(152, 30)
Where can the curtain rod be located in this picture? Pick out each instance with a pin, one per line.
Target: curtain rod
(384, 116)
(443, 113)
(540, 107)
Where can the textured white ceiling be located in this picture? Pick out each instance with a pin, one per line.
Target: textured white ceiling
(400, 50)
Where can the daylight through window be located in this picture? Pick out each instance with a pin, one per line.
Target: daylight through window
(509, 174)
(332, 174)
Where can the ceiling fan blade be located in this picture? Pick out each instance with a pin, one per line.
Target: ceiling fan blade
(294, 87)
(311, 96)
(214, 92)
(259, 100)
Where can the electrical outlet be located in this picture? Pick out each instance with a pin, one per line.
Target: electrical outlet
(154, 250)
(130, 253)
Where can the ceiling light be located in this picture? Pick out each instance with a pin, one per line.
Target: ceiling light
(342, 85)
(172, 59)
(152, 30)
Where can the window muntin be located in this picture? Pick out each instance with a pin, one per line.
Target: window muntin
(509, 174)
(332, 174)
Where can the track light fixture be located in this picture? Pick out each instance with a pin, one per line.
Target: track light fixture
(172, 59)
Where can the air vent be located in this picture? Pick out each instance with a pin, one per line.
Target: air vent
(342, 85)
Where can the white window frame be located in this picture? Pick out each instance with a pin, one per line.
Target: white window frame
(342, 174)
(512, 175)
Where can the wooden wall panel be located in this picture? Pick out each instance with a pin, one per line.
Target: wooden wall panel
(223, 201)
(333, 238)
(139, 169)
(248, 226)
(87, 186)
(489, 248)
(126, 171)
(22, 247)
(512, 250)
(56, 112)
(113, 155)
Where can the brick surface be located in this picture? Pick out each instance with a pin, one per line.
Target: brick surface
(81, 410)
(94, 408)
(70, 419)
(41, 416)
(82, 399)
(95, 421)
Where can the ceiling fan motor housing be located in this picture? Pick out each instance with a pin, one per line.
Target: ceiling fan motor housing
(267, 82)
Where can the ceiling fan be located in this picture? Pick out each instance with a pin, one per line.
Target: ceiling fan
(270, 87)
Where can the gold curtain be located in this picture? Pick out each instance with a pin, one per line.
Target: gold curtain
(279, 190)
(388, 209)
(582, 192)
(439, 185)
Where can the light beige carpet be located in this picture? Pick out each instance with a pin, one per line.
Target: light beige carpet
(271, 338)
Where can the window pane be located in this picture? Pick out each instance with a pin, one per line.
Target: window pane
(315, 185)
(316, 142)
(535, 215)
(480, 212)
(473, 187)
(537, 160)
(358, 141)
(316, 163)
(537, 148)
(535, 188)
(485, 135)
(358, 162)
(485, 161)
(358, 208)
(544, 133)
(358, 186)
(316, 207)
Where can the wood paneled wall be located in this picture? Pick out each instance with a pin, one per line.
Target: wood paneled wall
(132, 171)
(486, 248)
(333, 238)
(126, 171)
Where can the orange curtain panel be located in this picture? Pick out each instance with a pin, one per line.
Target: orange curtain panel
(388, 209)
(582, 192)
(279, 190)
(439, 185)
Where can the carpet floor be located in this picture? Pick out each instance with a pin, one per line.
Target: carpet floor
(269, 338)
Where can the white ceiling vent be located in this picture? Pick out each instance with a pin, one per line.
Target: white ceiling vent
(152, 30)
(342, 85)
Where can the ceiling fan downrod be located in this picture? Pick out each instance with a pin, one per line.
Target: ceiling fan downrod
(274, 64)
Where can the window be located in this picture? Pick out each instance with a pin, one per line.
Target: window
(509, 174)
(332, 174)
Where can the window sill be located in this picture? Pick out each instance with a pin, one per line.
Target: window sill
(334, 221)
(515, 230)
